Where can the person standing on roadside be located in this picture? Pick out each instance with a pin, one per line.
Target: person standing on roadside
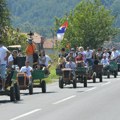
(30, 50)
(4, 54)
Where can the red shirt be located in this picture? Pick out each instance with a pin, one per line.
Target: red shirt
(78, 58)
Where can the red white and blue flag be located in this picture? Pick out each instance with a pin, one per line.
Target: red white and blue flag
(61, 30)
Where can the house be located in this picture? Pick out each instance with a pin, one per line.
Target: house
(42, 43)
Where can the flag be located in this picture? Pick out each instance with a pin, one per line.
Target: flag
(61, 30)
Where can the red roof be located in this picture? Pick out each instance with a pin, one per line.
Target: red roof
(48, 44)
(36, 38)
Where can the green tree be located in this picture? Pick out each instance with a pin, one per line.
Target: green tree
(4, 20)
(90, 24)
(8, 35)
(4, 14)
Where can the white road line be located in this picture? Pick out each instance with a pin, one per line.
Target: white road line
(90, 89)
(106, 83)
(60, 101)
(26, 114)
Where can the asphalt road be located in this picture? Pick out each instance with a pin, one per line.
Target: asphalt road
(99, 101)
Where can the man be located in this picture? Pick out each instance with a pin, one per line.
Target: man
(48, 62)
(70, 55)
(15, 57)
(63, 52)
(4, 54)
(105, 62)
(114, 54)
(89, 56)
(71, 65)
(10, 61)
(106, 54)
(30, 51)
(27, 69)
(74, 52)
(35, 59)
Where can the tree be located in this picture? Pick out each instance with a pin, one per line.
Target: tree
(4, 14)
(90, 24)
(4, 19)
(7, 34)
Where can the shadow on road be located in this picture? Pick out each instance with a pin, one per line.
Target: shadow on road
(35, 93)
(70, 87)
(8, 101)
(5, 101)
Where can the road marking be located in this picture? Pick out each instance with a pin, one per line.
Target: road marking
(60, 101)
(26, 114)
(106, 83)
(90, 89)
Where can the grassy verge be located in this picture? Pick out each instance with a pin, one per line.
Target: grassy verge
(52, 77)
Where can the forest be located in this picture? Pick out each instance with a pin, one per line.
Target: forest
(39, 15)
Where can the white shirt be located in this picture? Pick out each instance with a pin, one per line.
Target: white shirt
(10, 58)
(27, 70)
(48, 59)
(71, 65)
(3, 54)
(105, 61)
(114, 55)
(89, 54)
(42, 60)
(106, 54)
(74, 54)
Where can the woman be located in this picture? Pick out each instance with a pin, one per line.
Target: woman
(95, 57)
(79, 60)
(61, 61)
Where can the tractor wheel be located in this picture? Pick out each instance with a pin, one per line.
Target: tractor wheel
(74, 83)
(43, 85)
(85, 82)
(61, 82)
(17, 92)
(12, 94)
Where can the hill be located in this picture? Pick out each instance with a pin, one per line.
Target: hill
(39, 15)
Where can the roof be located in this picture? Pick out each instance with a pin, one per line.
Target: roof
(37, 38)
(48, 44)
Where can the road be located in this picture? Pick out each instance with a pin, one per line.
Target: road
(99, 101)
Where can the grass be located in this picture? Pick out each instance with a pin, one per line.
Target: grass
(52, 77)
